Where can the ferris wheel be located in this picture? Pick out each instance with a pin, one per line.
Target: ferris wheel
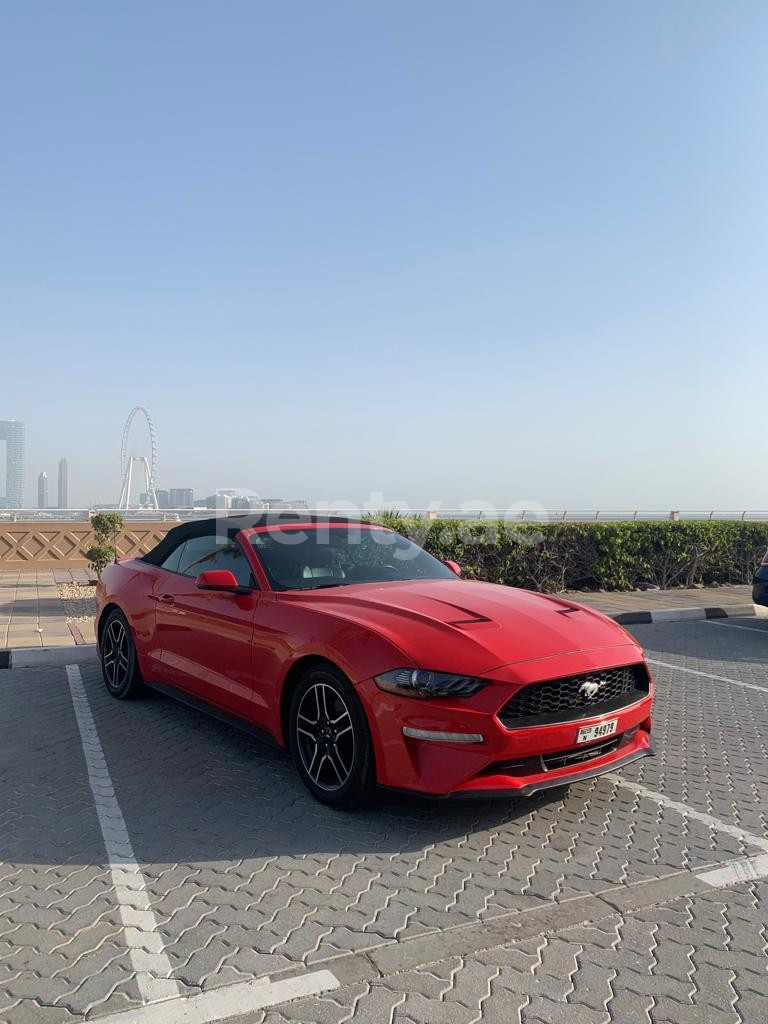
(144, 468)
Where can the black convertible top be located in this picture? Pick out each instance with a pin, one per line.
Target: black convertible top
(231, 525)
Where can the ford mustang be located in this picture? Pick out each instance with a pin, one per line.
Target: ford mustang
(372, 662)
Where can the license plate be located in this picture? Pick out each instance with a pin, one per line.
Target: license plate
(597, 732)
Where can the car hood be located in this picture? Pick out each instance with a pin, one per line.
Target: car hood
(468, 626)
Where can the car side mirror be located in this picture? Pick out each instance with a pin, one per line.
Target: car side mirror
(220, 579)
(454, 567)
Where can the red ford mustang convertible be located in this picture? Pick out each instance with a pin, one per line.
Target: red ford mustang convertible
(372, 662)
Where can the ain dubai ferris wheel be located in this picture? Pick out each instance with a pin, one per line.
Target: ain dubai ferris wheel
(141, 469)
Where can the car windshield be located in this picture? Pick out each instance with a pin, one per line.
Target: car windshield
(312, 558)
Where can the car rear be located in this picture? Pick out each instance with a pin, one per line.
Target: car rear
(760, 583)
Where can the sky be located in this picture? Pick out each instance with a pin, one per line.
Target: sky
(431, 250)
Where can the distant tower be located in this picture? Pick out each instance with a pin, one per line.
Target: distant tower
(12, 432)
(42, 491)
(63, 484)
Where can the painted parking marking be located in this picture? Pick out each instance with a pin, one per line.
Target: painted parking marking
(749, 869)
(152, 966)
(160, 992)
(690, 812)
(734, 625)
(226, 1002)
(708, 675)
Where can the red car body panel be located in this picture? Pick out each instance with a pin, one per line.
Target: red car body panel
(236, 652)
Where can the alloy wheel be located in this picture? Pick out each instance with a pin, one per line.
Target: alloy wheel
(115, 646)
(326, 736)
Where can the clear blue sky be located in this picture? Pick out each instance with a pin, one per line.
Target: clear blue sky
(499, 250)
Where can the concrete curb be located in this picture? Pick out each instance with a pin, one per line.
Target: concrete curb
(46, 657)
(679, 614)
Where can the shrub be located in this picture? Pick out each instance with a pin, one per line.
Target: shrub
(106, 526)
(99, 556)
(592, 556)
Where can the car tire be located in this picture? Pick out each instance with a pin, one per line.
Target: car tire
(119, 664)
(330, 740)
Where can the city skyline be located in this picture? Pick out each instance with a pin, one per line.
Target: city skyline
(747, 492)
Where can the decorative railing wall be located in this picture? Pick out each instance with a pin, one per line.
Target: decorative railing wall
(62, 545)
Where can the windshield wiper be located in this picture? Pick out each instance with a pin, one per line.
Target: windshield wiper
(323, 586)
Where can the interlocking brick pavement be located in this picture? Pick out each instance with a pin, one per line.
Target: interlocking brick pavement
(233, 897)
(61, 939)
(247, 876)
(711, 737)
(693, 960)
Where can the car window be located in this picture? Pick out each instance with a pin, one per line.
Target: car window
(200, 554)
(305, 559)
(171, 563)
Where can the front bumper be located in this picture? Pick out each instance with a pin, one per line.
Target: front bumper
(508, 761)
(551, 781)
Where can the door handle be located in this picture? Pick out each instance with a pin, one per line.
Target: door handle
(167, 598)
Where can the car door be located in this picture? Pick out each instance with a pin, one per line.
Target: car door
(205, 636)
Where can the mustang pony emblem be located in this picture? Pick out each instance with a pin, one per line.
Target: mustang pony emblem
(590, 688)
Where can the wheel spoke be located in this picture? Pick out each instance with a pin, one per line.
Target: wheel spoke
(325, 700)
(343, 732)
(332, 755)
(316, 776)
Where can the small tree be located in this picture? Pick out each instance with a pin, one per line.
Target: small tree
(106, 526)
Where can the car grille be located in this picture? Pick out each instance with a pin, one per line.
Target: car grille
(576, 696)
(581, 754)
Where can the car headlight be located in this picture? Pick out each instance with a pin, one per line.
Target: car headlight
(423, 684)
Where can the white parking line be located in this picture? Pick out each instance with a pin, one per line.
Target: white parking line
(226, 1002)
(690, 812)
(708, 675)
(733, 625)
(750, 869)
(160, 992)
(152, 966)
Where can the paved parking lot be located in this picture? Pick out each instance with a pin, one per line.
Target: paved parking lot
(153, 860)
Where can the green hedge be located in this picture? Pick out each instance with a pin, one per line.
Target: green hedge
(593, 556)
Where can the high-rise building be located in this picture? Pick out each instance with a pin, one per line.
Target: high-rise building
(42, 491)
(145, 499)
(63, 484)
(219, 500)
(181, 497)
(12, 432)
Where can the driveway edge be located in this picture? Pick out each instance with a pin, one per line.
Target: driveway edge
(680, 614)
(46, 657)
